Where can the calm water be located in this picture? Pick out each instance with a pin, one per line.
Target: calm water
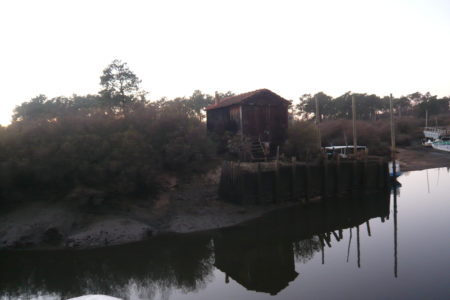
(317, 252)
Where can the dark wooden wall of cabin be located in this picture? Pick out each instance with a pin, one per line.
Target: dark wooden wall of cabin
(220, 120)
(265, 118)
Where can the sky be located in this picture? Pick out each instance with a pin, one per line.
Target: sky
(59, 48)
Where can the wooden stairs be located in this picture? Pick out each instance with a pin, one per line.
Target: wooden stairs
(257, 150)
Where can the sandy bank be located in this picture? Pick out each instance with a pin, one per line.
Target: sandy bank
(420, 158)
(183, 208)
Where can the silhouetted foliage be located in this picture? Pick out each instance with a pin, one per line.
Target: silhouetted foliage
(120, 87)
(302, 141)
(370, 107)
(58, 152)
(59, 145)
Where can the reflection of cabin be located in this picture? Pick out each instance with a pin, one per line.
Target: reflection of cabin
(259, 115)
(261, 256)
(266, 267)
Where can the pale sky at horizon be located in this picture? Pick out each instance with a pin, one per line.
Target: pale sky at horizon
(58, 48)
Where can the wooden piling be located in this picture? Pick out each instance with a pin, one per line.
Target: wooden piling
(354, 125)
(307, 179)
(368, 228)
(251, 183)
(294, 195)
(259, 183)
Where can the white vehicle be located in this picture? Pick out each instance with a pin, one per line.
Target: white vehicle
(343, 151)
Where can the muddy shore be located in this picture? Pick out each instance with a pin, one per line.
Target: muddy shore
(182, 208)
(420, 158)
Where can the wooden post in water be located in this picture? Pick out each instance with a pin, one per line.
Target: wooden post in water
(336, 236)
(395, 231)
(349, 243)
(394, 171)
(354, 125)
(324, 171)
(380, 175)
(337, 182)
(278, 197)
(240, 181)
(294, 195)
(259, 179)
(322, 248)
(306, 181)
(358, 246)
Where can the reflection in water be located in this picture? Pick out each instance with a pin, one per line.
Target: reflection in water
(395, 230)
(118, 271)
(260, 255)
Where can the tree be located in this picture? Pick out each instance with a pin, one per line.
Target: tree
(198, 101)
(307, 105)
(120, 85)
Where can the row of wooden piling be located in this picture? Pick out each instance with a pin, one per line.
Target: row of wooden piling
(274, 182)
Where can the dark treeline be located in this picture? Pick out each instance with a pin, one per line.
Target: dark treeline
(370, 107)
(118, 144)
(115, 142)
(372, 114)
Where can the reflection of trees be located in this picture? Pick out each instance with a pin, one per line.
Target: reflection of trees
(304, 250)
(260, 255)
(162, 264)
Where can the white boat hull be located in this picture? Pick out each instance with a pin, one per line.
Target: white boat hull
(441, 146)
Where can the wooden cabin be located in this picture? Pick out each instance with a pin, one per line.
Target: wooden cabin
(260, 116)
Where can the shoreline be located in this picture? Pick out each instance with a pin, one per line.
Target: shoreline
(416, 158)
(184, 208)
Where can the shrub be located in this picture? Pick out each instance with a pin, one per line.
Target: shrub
(302, 141)
(120, 156)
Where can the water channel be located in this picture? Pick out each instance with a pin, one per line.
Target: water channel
(369, 246)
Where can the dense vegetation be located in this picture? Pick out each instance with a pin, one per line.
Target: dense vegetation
(372, 114)
(114, 144)
(118, 144)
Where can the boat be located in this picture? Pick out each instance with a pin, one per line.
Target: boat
(343, 151)
(442, 144)
(426, 142)
(434, 134)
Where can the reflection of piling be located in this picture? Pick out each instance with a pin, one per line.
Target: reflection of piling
(395, 231)
(368, 228)
(277, 182)
(349, 244)
(358, 246)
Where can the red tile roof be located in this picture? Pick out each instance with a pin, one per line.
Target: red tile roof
(228, 101)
